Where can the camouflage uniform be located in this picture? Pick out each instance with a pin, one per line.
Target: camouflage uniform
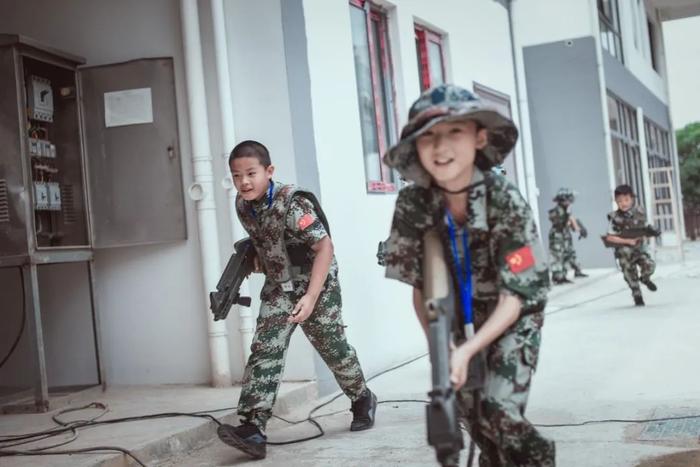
(296, 219)
(506, 258)
(561, 244)
(632, 257)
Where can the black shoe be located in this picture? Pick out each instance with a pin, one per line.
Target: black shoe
(638, 300)
(650, 285)
(246, 437)
(580, 273)
(363, 410)
(561, 281)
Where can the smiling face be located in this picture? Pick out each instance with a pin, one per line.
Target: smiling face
(447, 151)
(624, 202)
(250, 177)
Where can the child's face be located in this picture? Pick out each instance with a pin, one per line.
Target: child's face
(448, 149)
(624, 202)
(250, 177)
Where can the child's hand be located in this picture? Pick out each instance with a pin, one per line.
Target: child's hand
(460, 365)
(303, 309)
(257, 265)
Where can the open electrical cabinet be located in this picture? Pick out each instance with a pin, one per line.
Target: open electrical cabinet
(89, 160)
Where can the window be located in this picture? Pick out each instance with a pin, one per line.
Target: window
(431, 65)
(661, 174)
(652, 46)
(624, 136)
(375, 92)
(609, 21)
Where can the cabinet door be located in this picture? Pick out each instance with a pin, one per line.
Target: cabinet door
(133, 162)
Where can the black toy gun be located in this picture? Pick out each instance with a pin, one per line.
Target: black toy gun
(381, 253)
(239, 266)
(634, 232)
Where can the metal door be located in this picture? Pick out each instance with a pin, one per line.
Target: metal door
(133, 161)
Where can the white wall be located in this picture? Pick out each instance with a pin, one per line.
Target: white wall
(378, 311)
(543, 21)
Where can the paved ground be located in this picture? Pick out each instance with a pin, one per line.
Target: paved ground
(601, 358)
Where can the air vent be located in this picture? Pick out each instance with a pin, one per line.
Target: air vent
(68, 204)
(4, 202)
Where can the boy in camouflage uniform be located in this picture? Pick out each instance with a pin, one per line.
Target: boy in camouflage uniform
(561, 243)
(631, 253)
(447, 149)
(293, 248)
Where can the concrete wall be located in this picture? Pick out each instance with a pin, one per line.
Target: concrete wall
(568, 136)
(625, 85)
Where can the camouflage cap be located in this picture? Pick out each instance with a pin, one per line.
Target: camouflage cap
(564, 194)
(448, 102)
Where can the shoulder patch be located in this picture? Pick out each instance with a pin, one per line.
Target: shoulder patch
(520, 260)
(305, 221)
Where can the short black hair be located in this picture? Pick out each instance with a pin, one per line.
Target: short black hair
(250, 148)
(624, 190)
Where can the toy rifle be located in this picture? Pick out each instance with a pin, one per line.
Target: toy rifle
(227, 293)
(444, 432)
(634, 232)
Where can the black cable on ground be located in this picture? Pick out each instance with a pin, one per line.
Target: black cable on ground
(74, 451)
(23, 314)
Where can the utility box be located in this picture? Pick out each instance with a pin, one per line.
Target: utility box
(89, 159)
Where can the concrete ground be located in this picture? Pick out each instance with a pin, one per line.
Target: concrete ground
(601, 358)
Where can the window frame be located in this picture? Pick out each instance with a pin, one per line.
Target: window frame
(382, 86)
(424, 36)
(626, 138)
(611, 25)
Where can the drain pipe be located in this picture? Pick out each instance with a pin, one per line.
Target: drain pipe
(245, 315)
(202, 190)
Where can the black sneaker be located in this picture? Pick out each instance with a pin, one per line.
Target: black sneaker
(246, 437)
(580, 273)
(638, 300)
(650, 285)
(559, 281)
(363, 410)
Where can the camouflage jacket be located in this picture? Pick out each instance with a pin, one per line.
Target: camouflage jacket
(619, 221)
(505, 249)
(559, 217)
(284, 231)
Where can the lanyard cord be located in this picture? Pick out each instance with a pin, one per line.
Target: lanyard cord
(464, 270)
(269, 198)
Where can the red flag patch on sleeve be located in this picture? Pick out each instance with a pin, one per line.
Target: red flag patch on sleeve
(305, 221)
(520, 260)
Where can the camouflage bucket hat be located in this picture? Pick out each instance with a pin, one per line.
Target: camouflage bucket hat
(565, 194)
(448, 102)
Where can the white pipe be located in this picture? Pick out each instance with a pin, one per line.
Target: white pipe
(527, 165)
(595, 27)
(245, 315)
(202, 190)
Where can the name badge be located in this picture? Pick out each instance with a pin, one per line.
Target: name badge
(288, 286)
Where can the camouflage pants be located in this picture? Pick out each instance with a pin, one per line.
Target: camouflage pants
(499, 427)
(561, 254)
(324, 329)
(632, 258)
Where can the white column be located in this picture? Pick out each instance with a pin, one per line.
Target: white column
(246, 326)
(595, 27)
(644, 158)
(202, 190)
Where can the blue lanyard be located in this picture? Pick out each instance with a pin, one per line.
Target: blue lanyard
(269, 198)
(464, 271)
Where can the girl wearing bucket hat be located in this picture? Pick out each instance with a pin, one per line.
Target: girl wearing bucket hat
(490, 240)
